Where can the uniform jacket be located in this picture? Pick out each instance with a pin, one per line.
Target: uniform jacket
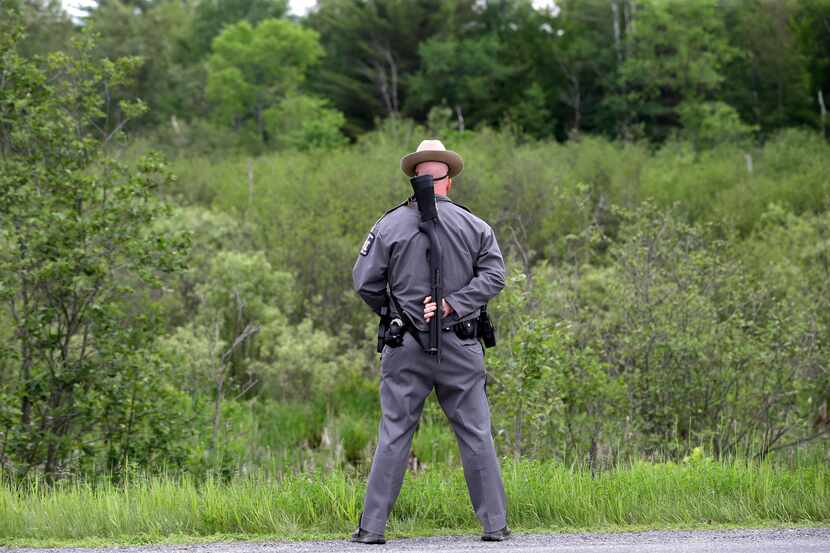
(394, 254)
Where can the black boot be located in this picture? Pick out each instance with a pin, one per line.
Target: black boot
(497, 535)
(364, 536)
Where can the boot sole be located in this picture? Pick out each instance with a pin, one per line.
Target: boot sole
(378, 542)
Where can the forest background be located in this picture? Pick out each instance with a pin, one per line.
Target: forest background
(186, 184)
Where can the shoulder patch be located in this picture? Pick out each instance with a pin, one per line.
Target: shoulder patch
(367, 244)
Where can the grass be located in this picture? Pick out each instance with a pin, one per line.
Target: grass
(542, 496)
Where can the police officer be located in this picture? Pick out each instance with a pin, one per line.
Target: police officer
(392, 267)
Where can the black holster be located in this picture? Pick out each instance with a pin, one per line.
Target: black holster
(485, 328)
(390, 328)
(466, 329)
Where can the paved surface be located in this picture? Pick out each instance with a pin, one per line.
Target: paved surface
(778, 540)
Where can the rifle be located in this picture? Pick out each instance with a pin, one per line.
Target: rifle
(425, 195)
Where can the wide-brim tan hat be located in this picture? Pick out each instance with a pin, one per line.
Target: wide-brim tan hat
(432, 150)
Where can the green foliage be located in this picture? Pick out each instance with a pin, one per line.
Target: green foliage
(704, 345)
(474, 68)
(668, 61)
(372, 47)
(620, 69)
(269, 58)
(662, 297)
(164, 80)
(252, 69)
(434, 442)
(76, 230)
(244, 282)
(709, 124)
(531, 114)
(548, 390)
(326, 503)
(212, 16)
(769, 82)
(297, 362)
(210, 232)
(48, 26)
(304, 122)
(676, 319)
(356, 434)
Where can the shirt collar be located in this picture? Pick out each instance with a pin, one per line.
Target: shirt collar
(438, 197)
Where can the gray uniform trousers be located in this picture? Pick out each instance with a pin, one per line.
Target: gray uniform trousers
(408, 375)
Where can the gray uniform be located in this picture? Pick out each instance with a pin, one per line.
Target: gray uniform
(394, 254)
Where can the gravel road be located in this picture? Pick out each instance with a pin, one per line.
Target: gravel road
(779, 540)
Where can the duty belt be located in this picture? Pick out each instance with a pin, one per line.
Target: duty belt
(456, 326)
(472, 322)
(409, 326)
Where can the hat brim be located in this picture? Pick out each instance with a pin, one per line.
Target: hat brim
(451, 158)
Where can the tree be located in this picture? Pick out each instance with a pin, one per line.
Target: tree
(303, 122)
(531, 114)
(577, 58)
(671, 52)
(373, 45)
(252, 69)
(812, 29)
(48, 26)
(214, 16)
(769, 84)
(167, 80)
(468, 74)
(75, 246)
(709, 124)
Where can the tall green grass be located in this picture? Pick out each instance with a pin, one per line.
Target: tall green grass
(327, 503)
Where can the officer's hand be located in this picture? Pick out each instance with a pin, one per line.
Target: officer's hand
(430, 306)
